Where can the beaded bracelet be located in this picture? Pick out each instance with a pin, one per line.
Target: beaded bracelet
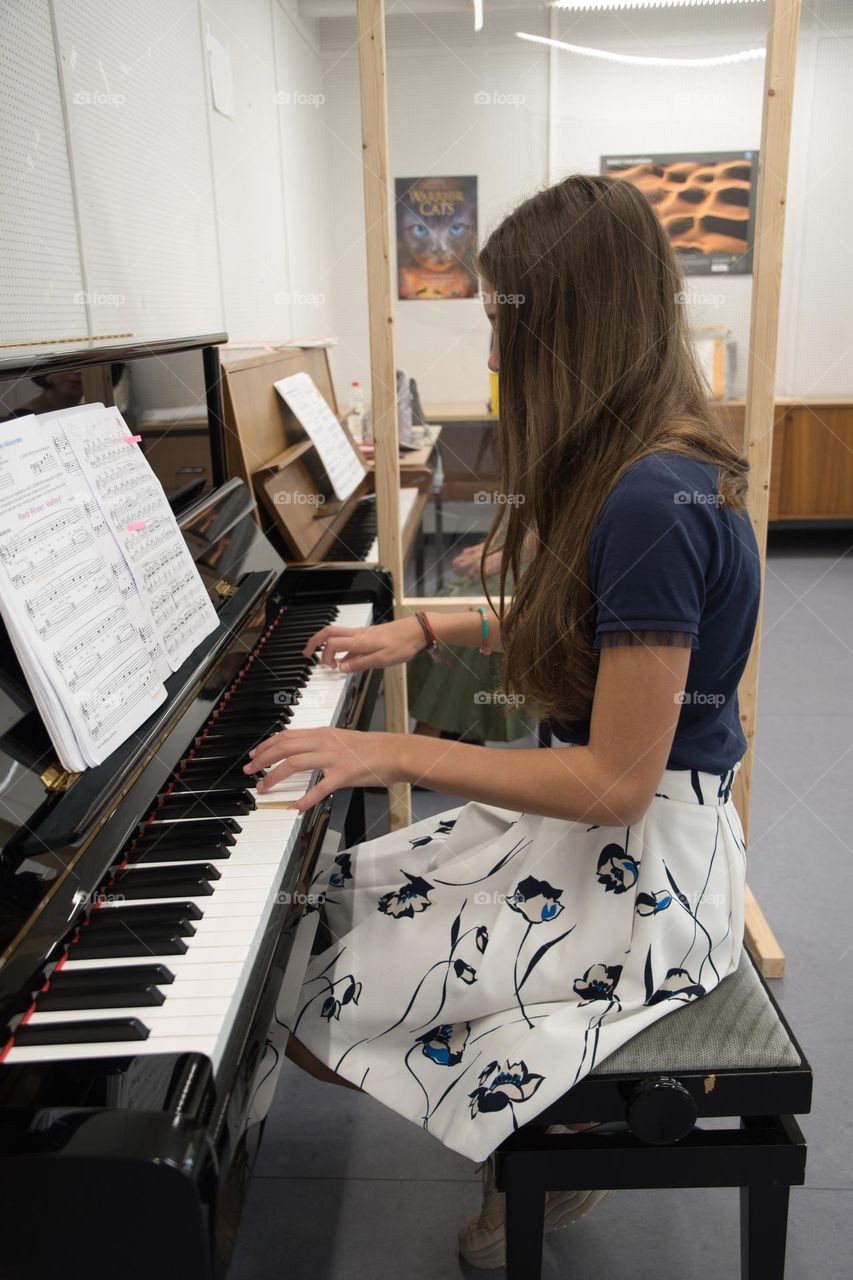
(485, 647)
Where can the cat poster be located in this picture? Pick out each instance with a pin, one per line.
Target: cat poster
(436, 238)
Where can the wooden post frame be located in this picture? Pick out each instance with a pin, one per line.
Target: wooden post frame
(783, 20)
(370, 17)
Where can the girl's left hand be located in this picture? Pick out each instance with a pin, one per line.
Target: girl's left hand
(347, 758)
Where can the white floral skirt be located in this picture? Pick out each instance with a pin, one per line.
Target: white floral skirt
(481, 962)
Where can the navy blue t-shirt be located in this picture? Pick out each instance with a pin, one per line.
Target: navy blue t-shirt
(666, 556)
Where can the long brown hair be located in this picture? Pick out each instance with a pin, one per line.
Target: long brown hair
(596, 371)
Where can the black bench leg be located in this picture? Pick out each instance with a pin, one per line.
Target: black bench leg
(525, 1227)
(763, 1231)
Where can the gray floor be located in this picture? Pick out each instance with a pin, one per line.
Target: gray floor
(346, 1190)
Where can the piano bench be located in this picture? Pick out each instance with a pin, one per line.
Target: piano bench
(729, 1054)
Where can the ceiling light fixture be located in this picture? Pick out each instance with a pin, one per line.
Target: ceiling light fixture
(644, 60)
(639, 4)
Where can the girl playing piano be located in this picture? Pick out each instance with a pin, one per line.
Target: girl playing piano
(481, 962)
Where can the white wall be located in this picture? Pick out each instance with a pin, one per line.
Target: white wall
(436, 128)
(269, 189)
(283, 208)
(435, 65)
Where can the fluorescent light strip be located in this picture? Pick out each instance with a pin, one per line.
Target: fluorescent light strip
(635, 60)
(641, 4)
(478, 15)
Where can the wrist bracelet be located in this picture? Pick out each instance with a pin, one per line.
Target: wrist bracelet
(485, 647)
(431, 638)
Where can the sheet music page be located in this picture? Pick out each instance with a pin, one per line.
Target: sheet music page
(138, 513)
(90, 670)
(54, 427)
(344, 465)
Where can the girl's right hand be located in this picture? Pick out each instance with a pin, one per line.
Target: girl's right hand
(386, 645)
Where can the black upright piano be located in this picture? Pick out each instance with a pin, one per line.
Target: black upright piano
(143, 952)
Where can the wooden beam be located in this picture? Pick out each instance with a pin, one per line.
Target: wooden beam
(370, 17)
(783, 21)
(761, 941)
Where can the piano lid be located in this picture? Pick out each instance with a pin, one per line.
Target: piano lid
(43, 811)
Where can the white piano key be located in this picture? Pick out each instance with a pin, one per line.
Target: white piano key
(150, 1014)
(129, 1048)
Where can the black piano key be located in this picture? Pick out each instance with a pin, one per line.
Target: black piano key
(227, 778)
(223, 755)
(160, 913)
(126, 998)
(189, 851)
(202, 828)
(96, 1032)
(220, 804)
(162, 875)
(234, 739)
(87, 981)
(191, 887)
(146, 932)
(112, 947)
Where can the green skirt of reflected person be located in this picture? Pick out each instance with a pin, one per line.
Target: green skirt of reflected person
(458, 698)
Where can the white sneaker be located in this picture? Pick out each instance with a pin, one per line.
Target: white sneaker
(482, 1241)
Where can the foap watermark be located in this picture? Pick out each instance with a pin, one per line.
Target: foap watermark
(286, 299)
(98, 98)
(96, 898)
(698, 98)
(93, 298)
(490, 898)
(684, 498)
(300, 899)
(693, 298)
(496, 98)
(497, 698)
(502, 499)
(303, 698)
(503, 299)
(299, 499)
(699, 699)
(297, 98)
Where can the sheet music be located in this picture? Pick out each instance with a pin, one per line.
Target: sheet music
(89, 668)
(54, 428)
(138, 514)
(343, 463)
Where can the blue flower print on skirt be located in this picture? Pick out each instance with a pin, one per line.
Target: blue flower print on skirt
(408, 900)
(477, 964)
(504, 1086)
(616, 870)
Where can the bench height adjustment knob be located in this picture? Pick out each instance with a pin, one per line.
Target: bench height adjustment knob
(661, 1111)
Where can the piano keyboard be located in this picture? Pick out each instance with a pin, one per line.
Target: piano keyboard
(408, 498)
(359, 539)
(163, 960)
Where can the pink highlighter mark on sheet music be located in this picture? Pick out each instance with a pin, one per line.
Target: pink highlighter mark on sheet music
(132, 439)
(135, 526)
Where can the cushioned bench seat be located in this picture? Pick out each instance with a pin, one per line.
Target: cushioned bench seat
(736, 1026)
(730, 1054)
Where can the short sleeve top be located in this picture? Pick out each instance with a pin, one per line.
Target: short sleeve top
(665, 557)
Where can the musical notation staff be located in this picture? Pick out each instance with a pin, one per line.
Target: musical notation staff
(139, 516)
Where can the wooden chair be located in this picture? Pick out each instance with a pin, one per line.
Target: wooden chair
(729, 1054)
